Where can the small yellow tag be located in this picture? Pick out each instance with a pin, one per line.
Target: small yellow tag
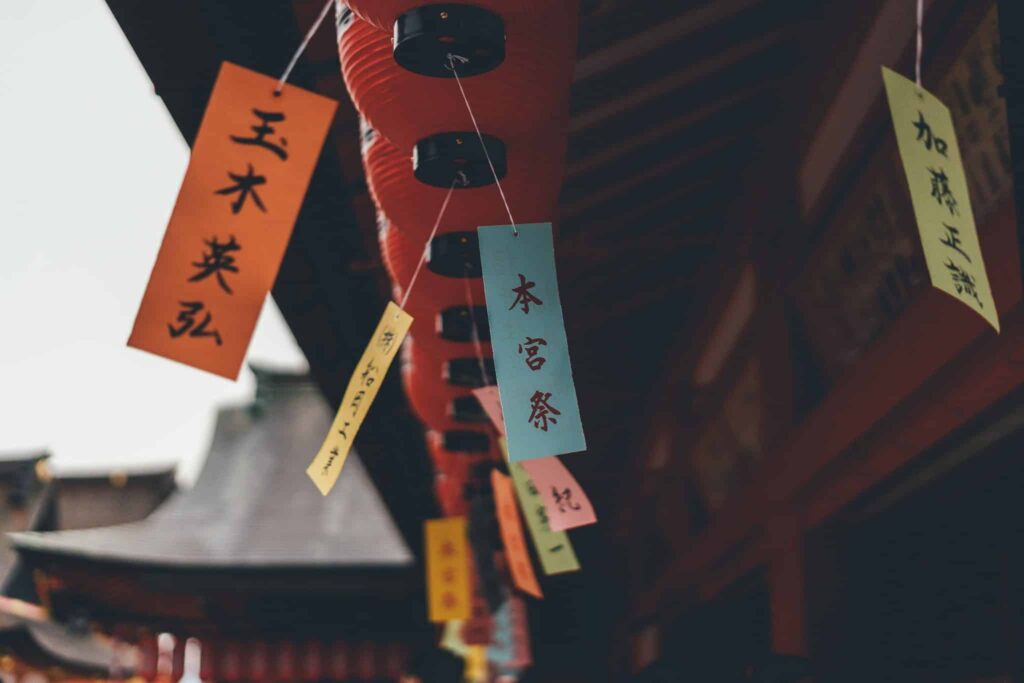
(362, 389)
(447, 554)
(476, 664)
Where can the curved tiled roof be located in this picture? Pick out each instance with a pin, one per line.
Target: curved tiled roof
(253, 505)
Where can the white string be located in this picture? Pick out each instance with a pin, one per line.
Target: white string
(302, 47)
(458, 81)
(423, 256)
(920, 42)
(475, 334)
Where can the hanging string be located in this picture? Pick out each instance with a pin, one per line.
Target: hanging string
(302, 47)
(475, 333)
(920, 42)
(458, 81)
(423, 256)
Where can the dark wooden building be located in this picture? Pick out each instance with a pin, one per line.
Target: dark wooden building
(35, 499)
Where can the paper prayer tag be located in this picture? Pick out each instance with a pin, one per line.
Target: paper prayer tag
(531, 354)
(359, 395)
(451, 639)
(476, 664)
(935, 174)
(510, 648)
(490, 401)
(447, 554)
(554, 549)
(567, 503)
(511, 529)
(246, 179)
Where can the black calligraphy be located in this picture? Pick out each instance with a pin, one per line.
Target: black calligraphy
(952, 240)
(369, 374)
(941, 191)
(187, 319)
(356, 400)
(532, 349)
(963, 282)
(523, 295)
(342, 431)
(262, 130)
(217, 261)
(563, 499)
(541, 411)
(387, 338)
(245, 186)
(542, 515)
(924, 134)
(330, 461)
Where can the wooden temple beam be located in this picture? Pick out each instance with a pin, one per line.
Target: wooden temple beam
(623, 226)
(695, 190)
(660, 35)
(677, 79)
(887, 41)
(595, 194)
(584, 253)
(898, 369)
(598, 156)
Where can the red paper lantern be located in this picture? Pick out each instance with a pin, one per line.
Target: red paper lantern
(527, 93)
(383, 13)
(531, 186)
(430, 396)
(448, 490)
(454, 463)
(401, 254)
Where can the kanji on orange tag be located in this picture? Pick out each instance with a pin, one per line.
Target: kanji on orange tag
(250, 167)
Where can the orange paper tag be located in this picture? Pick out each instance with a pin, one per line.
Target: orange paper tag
(447, 569)
(518, 558)
(250, 167)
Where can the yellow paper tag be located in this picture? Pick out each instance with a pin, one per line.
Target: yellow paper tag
(447, 569)
(362, 389)
(938, 189)
(476, 664)
(553, 547)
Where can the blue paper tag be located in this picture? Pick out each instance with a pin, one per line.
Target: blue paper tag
(531, 354)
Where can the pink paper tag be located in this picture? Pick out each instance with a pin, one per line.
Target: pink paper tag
(491, 402)
(567, 504)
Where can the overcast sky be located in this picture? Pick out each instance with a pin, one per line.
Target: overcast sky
(90, 164)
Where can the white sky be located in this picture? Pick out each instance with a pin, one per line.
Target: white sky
(90, 164)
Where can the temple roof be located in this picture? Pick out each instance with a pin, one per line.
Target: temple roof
(253, 505)
(16, 461)
(44, 644)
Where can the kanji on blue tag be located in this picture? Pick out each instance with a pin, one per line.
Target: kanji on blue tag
(531, 354)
